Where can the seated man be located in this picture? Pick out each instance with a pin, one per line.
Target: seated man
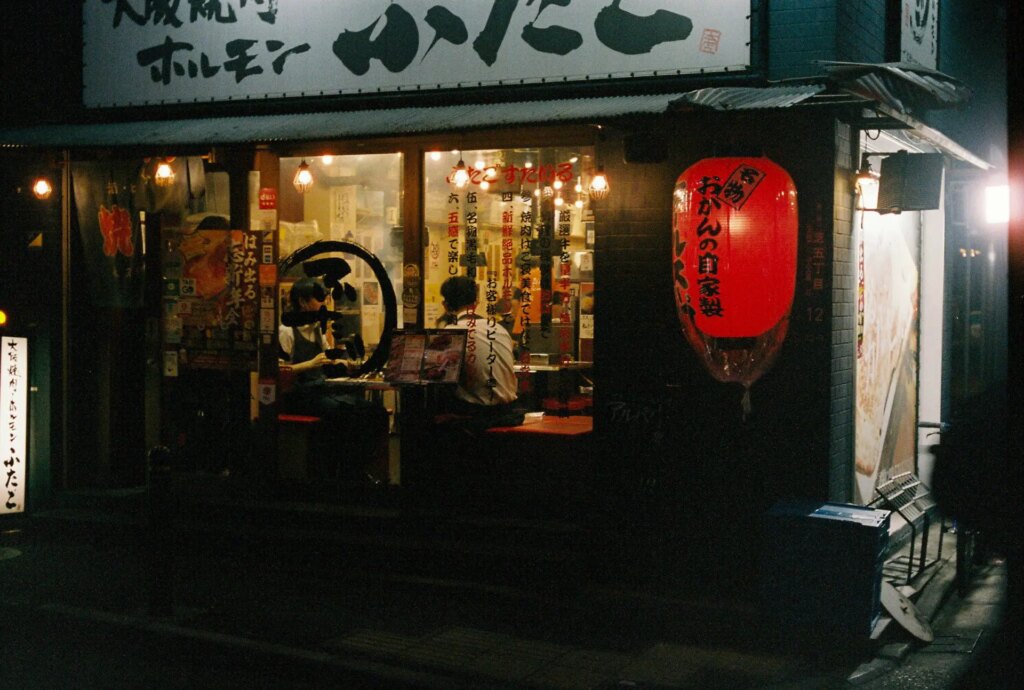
(357, 428)
(486, 393)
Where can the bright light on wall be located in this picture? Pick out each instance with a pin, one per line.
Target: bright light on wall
(42, 188)
(997, 204)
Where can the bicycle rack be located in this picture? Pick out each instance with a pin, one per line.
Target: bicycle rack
(913, 501)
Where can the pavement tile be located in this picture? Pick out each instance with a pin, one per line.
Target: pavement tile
(594, 660)
(372, 641)
(664, 664)
(560, 677)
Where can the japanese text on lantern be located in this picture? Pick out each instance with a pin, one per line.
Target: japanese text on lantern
(708, 229)
(14, 405)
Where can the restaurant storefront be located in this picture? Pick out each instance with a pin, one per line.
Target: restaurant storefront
(563, 201)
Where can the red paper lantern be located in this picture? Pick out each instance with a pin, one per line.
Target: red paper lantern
(735, 231)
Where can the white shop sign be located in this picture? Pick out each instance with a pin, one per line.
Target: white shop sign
(142, 52)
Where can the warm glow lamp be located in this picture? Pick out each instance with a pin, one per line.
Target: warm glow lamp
(303, 179)
(599, 188)
(163, 176)
(867, 186)
(42, 188)
(461, 176)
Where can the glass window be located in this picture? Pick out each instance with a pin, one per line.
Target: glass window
(356, 198)
(520, 222)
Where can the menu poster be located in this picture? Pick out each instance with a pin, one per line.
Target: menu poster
(427, 356)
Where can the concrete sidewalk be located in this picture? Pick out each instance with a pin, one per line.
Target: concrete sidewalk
(360, 601)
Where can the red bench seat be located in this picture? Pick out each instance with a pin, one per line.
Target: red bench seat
(550, 426)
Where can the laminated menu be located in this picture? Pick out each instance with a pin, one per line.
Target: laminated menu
(425, 356)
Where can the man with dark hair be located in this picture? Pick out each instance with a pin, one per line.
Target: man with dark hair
(486, 393)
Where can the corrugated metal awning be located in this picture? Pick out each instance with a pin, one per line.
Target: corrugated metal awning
(256, 129)
(750, 97)
(354, 124)
(902, 86)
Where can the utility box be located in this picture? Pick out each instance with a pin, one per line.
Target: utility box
(821, 567)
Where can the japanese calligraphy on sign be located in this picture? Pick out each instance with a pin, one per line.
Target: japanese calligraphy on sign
(14, 384)
(165, 51)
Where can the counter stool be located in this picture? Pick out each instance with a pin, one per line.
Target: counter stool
(295, 440)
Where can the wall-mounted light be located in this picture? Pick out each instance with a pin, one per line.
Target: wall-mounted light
(866, 185)
(303, 179)
(42, 188)
(163, 175)
(599, 187)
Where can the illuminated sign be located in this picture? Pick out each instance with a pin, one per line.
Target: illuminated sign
(14, 406)
(139, 52)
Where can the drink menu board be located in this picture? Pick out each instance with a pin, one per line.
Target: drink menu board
(425, 356)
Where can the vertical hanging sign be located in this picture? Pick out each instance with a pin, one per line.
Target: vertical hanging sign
(14, 406)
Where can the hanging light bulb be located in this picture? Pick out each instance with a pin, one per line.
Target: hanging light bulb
(599, 187)
(461, 176)
(303, 179)
(42, 188)
(163, 176)
(579, 185)
(327, 159)
(558, 200)
(579, 202)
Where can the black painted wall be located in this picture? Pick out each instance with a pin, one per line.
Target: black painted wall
(670, 433)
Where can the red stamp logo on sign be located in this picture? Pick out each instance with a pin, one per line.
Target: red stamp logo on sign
(709, 41)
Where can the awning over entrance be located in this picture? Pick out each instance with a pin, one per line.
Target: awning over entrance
(257, 129)
(355, 124)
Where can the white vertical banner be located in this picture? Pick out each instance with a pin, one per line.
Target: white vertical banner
(919, 32)
(14, 406)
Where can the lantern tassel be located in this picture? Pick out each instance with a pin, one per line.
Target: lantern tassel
(745, 402)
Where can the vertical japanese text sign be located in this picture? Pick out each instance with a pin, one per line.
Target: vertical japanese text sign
(14, 404)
